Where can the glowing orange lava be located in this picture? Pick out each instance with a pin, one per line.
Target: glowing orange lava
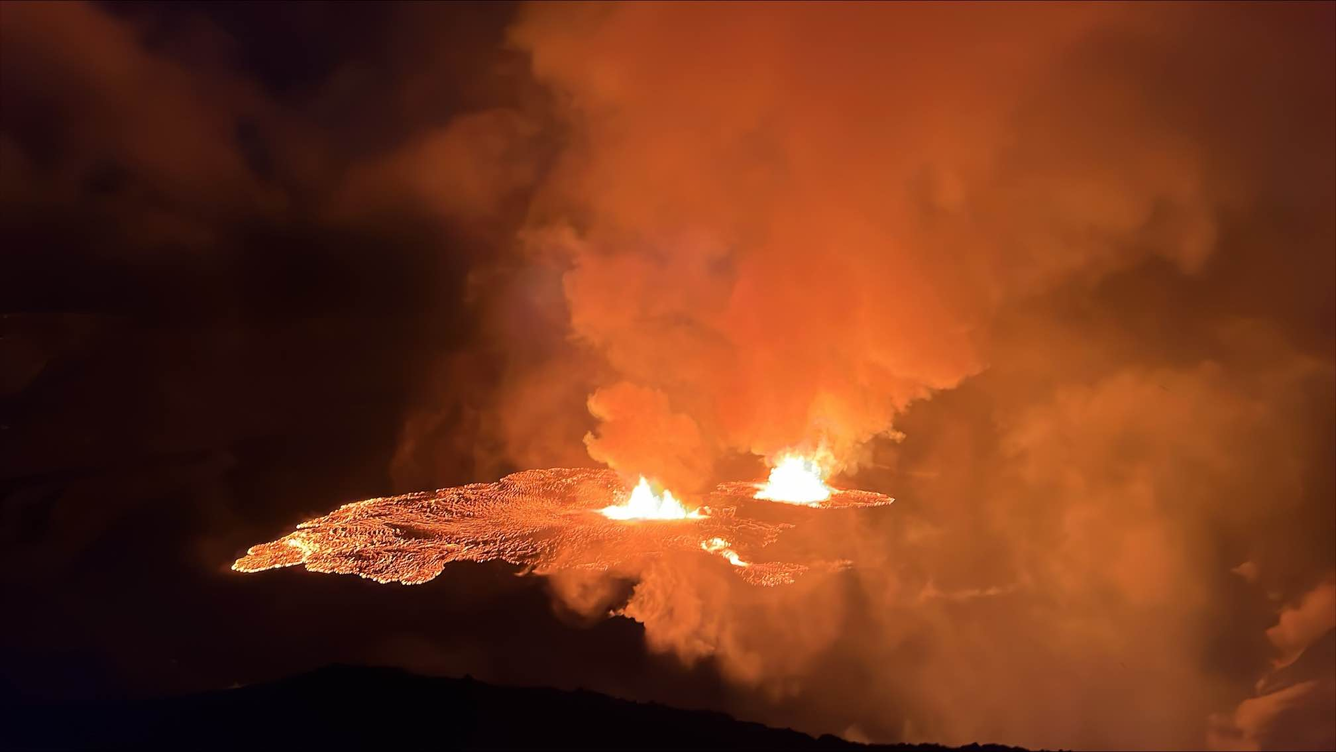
(800, 480)
(643, 504)
(795, 480)
(721, 547)
(545, 520)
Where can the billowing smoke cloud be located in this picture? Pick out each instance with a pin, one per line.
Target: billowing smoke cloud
(787, 248)
(1292, 706)
(1049, 274)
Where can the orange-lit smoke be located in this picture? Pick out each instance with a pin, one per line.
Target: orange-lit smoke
(770, 248)
(1035, 269)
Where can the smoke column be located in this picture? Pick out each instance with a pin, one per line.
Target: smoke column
(1048, 274)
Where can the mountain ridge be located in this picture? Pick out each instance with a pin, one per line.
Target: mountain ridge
(343, 706)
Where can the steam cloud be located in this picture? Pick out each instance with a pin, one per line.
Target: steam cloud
(1051, 248)
(786, 249)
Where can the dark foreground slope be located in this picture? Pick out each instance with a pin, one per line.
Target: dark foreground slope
(370, 708)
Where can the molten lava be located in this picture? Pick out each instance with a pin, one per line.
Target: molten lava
(795, 480)
(721, 547)
(545, 520)
(643, 504)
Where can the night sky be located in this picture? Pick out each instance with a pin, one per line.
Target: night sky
(1061, 279)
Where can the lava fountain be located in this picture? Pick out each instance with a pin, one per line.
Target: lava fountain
(644, 504)
(801, 480)
(795, 480)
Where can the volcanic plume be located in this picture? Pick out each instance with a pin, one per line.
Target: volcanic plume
(1048, 272)
(1057, 275)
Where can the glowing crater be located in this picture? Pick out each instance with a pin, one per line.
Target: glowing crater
(543, 520)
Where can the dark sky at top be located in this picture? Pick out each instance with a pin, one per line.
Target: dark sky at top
(260, 259)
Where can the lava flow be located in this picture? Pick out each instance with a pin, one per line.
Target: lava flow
(542, 519)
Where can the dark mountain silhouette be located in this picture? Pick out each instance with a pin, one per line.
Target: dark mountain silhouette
(343, 707)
